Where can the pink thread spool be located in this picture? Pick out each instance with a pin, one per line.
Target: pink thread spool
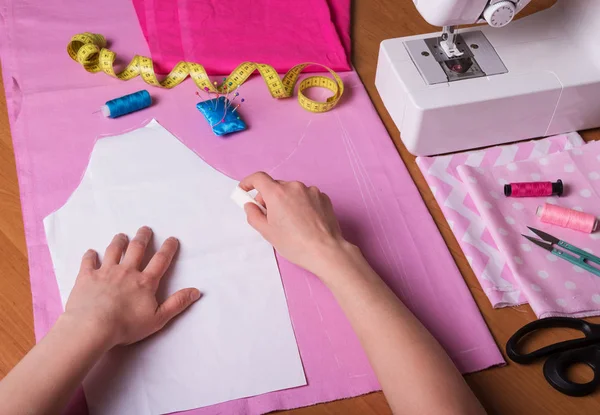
(567, 218)
(534, 189)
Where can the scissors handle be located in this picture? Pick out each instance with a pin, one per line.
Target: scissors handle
(583, 254)
(578, 261)
(557, 366)
(591, 332)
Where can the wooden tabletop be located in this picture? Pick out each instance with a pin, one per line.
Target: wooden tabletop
(512, 389)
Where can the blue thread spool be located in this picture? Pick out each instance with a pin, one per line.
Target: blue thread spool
(126, 104)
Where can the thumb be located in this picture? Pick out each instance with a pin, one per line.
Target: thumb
(256, 218)
(176, 304)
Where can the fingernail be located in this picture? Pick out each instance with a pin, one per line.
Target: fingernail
(172, 238)
(195, 294)
(146, 228)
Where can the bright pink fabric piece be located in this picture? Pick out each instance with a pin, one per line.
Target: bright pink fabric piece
(221, 35)
(347, 152)
(553, 287)
(468, 226)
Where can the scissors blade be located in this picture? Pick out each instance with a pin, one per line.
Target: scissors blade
(544, 235)
(546, 245)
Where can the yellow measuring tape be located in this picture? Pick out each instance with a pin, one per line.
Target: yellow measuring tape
(89, 50)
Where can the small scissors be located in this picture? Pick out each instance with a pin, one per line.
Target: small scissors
(562, 355)
(548, 243)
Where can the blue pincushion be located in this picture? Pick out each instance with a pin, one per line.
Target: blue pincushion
(221, 121)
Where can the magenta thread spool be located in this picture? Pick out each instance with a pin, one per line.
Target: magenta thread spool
(567, 218)
(534, 189)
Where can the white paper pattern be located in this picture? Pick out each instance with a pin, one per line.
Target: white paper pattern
(237, 341)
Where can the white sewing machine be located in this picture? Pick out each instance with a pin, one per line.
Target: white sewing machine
(538, 76)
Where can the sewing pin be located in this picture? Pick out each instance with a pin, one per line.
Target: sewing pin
(214, 125)
(229, 103)
(238, 105)
(226, 105)
(238, 87)
(229, 84)
(237, 94)
(228, 92)
(218, 95)
(224, 84)
(206, 90)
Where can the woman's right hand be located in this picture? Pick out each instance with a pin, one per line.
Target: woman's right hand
(300, 222)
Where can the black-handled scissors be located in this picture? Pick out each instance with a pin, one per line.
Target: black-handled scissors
(562, 355)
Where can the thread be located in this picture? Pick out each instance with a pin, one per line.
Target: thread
(567, 218)
(534, 189)
(126, 104)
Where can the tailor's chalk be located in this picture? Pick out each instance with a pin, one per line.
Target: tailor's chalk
(241, 197)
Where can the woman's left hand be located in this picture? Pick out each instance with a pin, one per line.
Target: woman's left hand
(119, 298)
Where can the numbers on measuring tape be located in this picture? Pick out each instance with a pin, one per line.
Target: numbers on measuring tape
(89, 49)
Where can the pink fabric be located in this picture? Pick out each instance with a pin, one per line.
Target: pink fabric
(220, 35)
(347, 152)
(553, 287)
(469, 228)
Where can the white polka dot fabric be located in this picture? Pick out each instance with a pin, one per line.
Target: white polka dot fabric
(552, 286)
(471, 231)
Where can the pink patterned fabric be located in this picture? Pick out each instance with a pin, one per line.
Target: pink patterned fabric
(220, 35)
(347, 152)
(469, 227)
(553, 287)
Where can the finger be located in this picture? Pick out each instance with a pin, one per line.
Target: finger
(137, 247)
(115, 250)
(296, 185)
(162, 259)
(314, 190)
(89, 262)
(256, 218)
(259, 199)
(176, 304)
(325, 197)
(260, 181)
